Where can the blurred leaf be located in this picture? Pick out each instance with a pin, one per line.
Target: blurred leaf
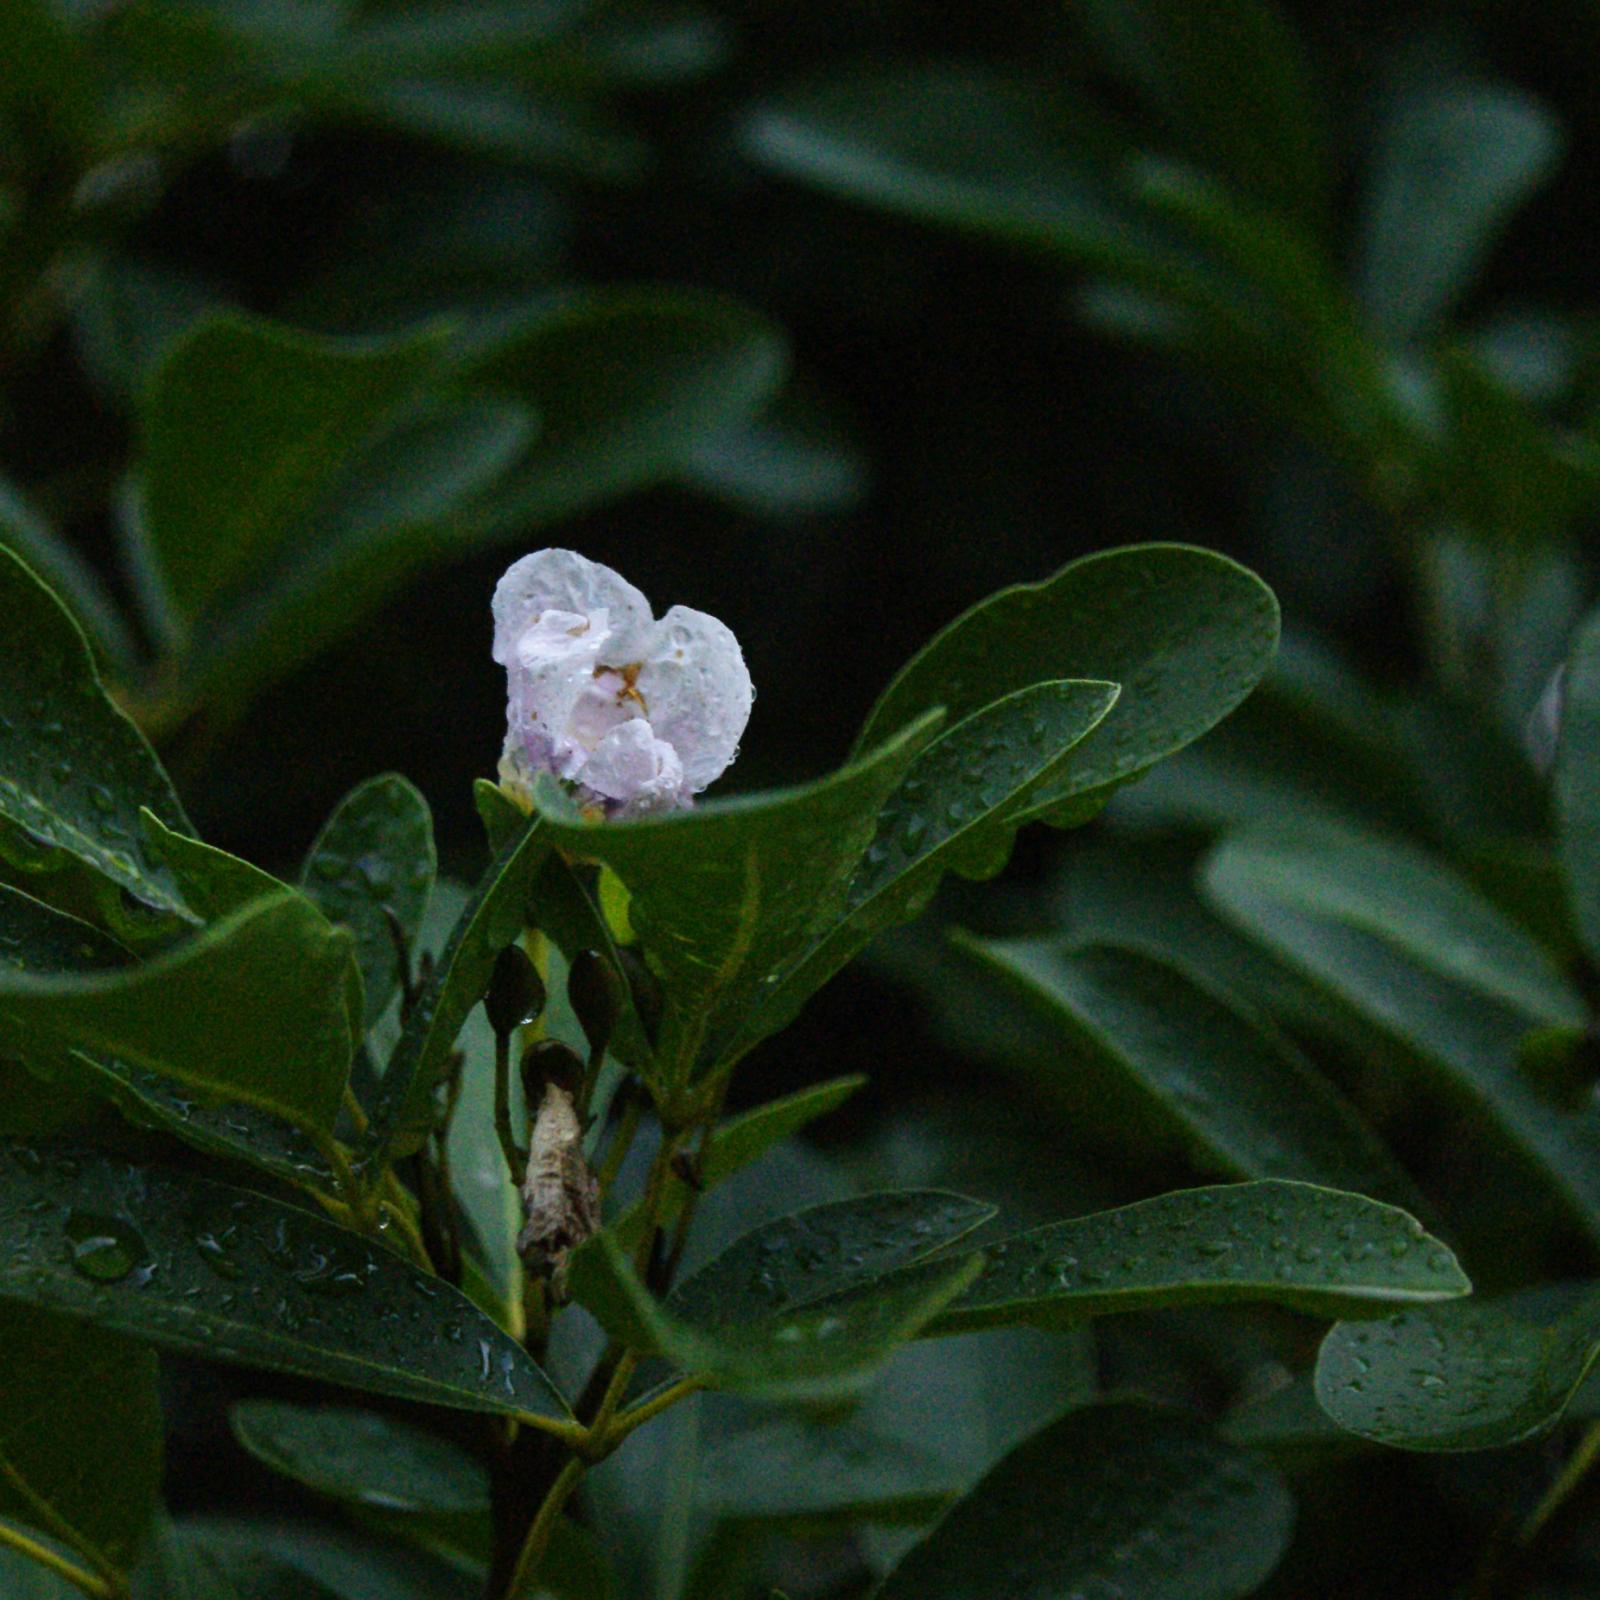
(952, 810)
(74, 770)
(802, 1307)
(628, 384)
(1116, 1496)
(228, 1275)
(246, 426)
(1232, 84)
(493, 916)
(727, 895)
(256, 1009)
(1453, 161)
(25, 531)
(1317, 1250)
(1186, 633)
(80, 1433)
(1241, 1099)
(1464, 1043)
(187, 1565)
(371, 870)
(362, 1456)
(1477, 1376)
(1577, 784)
(126, 312)
(49, 87)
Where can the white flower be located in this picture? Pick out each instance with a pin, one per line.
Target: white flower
(638, 715)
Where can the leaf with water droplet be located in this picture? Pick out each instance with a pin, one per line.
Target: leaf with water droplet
(1477, 1376)
(1144, 1044)
(80, 1432)
(299, 1294)
(1290, 1243)
(1116, 1501)
(53, 709)
(374, 861)
(803, 1307)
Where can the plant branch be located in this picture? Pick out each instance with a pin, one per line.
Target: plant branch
(540, 1529)
(79, 1577)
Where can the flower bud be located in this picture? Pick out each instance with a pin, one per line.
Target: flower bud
(516, 991)
(645, 990)
(549, 1061)
(594, 991)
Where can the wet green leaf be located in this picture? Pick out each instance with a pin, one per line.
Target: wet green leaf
(1317, 1250)
(256, 1009)
(74, 771)
(1476, 1376)
(229, 1275)
(362, 1456)
(1237, 1096)
(371, 869)
(1113, 1497)
(1577, 784)
(80, 1433)
(1186, 633)
(803, 1307)
(727, 895)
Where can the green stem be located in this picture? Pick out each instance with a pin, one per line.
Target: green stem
(649, 1410)
(541, 1528)
(78, 1577)
(515, 1160)
(1571, 1475)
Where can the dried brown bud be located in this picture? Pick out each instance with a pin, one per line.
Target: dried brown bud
(560, 1197)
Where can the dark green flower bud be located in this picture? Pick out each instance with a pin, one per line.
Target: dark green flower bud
(594, 990)
(549, 1061)
(646, 992)
(516, 991)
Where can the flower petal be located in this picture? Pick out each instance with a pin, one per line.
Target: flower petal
(562, 580)
(697, 692)
(635, 768)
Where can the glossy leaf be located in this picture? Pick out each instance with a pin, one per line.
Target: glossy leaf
(953, 809)
(1477, 1376)
(280, 1041)
(1453, 161)
(726, 895)
(1240, 1098)
(1115, 1498)
(246, 425)
(74, 771)
(362, 1457)
(229, 1275)
(1465, 1045)
(214, 883)
(803, 1307)
(371, 869)
(1186, 633)
(1232, 84)
(491, 919)
(627, 384)
(1317, 1250)
(1577, 784)
(80, 1433)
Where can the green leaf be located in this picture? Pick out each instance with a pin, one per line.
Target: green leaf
(229, 1275)
(1477, 1376)
(727, 895)
(214, 883)
(362, 1456)
(1240, 1098)
(74, 582)
(953, 809)
(1231, 82)
(1577, 783)
(494, 915)
(1464, 1043)
(371, 869)
(80, 1433)
(187, 1563)
(627, 385)
(74, 771)
(801, 1308)
(246, 426)
(1317, 1250)
(1186, 633)
(256, 1008)
(1452, 162)
(959, 145)
(1114, 1498)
